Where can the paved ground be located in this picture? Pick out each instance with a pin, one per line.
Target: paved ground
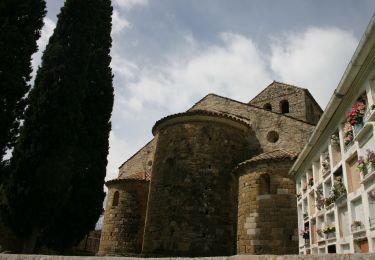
(236, 257)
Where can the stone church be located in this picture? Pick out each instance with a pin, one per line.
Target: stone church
(214, 180)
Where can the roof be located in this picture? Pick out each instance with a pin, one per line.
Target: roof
(274, 155)
(140, 176)
(204, 113)
(136, 153)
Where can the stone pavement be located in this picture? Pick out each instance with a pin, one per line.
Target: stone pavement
(236, 257)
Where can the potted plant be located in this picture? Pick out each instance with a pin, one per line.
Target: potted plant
(319, 198)
(348, 134)
(370, 157)
(369, 112)
(329, 229)
(328, 201)
(325, 165)
(371, 194)
(362, 165)
(338, 188)
(366, 163)
(311, 181)
(331, 197)
(355, 116)
(357, 225)
(335, 140)
(305, 233)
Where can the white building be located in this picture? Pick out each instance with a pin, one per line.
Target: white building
(336, 199)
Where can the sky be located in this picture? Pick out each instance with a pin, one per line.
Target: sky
(168, 54)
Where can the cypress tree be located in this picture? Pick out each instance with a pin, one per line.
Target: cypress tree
(20, 26)
(55, 192)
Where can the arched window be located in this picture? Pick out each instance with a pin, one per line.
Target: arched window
(115, 199)
(264, 184)
(267, 107)
(284, 106)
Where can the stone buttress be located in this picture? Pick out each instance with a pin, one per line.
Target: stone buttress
(124, 216)
(267, 221)
(192, 205)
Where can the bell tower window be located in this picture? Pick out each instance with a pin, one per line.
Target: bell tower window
(284, 106)
(267, 106)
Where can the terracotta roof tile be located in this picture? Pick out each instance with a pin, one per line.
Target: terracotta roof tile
(140, 176)
(202, 112)
(278, 154)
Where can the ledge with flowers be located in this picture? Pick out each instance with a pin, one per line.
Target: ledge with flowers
(359, 114)
(337, 192)
(329, 230)
(357, 226)
(366, 165)
(356, 118)
(370, 113)
(371, 195)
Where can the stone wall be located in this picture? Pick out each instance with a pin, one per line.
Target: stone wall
(89, 244)
(292, 134)
(192, 207)
(123, 224)
(313, 112)
(139, 162)
(267, 214)
(235, 257)
(301, 104)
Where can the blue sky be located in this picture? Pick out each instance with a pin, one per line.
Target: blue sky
(167, 54)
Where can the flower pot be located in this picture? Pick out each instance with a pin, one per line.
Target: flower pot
(370, 168)
(331, 235)
(357, 128)
(367, 170)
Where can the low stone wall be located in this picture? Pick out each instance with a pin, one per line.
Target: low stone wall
(236, 257)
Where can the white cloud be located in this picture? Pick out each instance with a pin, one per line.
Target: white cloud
(119, 151)
(122, 67)
(118, 23)
(315, 59)
(128, 4)
(47, 31)
(236, 68)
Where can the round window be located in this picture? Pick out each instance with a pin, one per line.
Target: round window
(272, 137)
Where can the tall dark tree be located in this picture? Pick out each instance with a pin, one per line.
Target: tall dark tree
(55, 192)
(20, 26)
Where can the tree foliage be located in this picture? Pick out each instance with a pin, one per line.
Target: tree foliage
(55, 192)
(20, 26)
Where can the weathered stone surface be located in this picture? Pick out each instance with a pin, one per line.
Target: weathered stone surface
(140, 162)
(293, 134)
(196, 205)
(203, 210)
(301, 104)
(235, 257)
(267, 220)
(123, 224)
